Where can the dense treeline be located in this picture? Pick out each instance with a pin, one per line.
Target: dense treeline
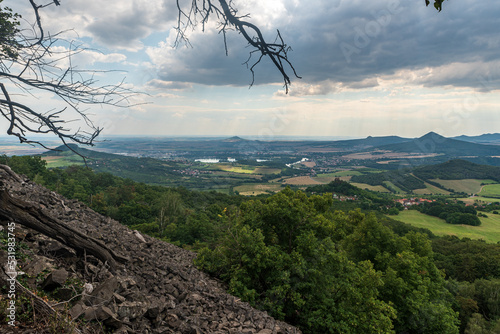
(452, 213)
(458, 170)
(296, 256)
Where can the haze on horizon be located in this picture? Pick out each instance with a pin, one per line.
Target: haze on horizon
(387, 67)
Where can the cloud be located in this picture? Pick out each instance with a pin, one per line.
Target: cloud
(113, 24)
(170, 85)
(351, 44)
(299, 89)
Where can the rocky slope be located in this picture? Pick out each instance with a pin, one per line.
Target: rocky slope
(154, 288)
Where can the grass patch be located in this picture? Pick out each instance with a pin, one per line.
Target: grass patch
(490, 190)
(381, 189)
(62, 161)
(301, 180)
(469, 186)
(488, 231)
(390, 185)
(430, 189)
(478, 200)
(346, 173)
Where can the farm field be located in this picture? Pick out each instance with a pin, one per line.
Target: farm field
(243, 169)
(301, 180)
(344, 175)
(370, 187)
(483, 200)
(488, 231)
(62, 161)
(469, 186)
(258, 189)
(329, 177)
(390, 185)
(430, 189)
(490, 190)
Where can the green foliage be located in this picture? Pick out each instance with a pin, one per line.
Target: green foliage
(368, 200)
(27, 165)
(458, 170)
(466, 259)
(330, 272)
(479, 305)
(452, 213)
(412, 283)
(305, 280)
(295, 256)
(9, 23)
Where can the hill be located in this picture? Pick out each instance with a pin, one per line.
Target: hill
(487, 138)
(371, 142)
(145, 286)
(435, 143)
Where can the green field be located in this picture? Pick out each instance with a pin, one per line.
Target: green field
(469, 186)
(430, 189)
(369, 187)
(490, 190)
(390, 185)
(62, 161)
(488, 231)
(346, 173)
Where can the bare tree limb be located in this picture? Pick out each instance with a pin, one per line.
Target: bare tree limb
(227, 16)
(39, 65)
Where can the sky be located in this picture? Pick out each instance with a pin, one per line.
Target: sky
(368, 68)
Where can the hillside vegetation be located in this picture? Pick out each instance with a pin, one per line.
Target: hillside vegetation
(409, 180)
(306, 257)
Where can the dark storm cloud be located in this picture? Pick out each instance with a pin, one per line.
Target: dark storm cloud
(357, 41)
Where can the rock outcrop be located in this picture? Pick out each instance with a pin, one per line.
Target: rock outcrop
(152, 286)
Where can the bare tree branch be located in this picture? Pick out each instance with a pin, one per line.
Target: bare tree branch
(228, 19)
(43, 63)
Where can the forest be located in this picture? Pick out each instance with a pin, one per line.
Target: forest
(305, 258)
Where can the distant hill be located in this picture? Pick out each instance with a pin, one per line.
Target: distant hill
(488, 138)
(435, 143)
(371, 141)
(233, 139)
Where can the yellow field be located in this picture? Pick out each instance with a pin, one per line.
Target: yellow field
(247, 169)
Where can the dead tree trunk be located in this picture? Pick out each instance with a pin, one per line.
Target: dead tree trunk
(37, 219)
